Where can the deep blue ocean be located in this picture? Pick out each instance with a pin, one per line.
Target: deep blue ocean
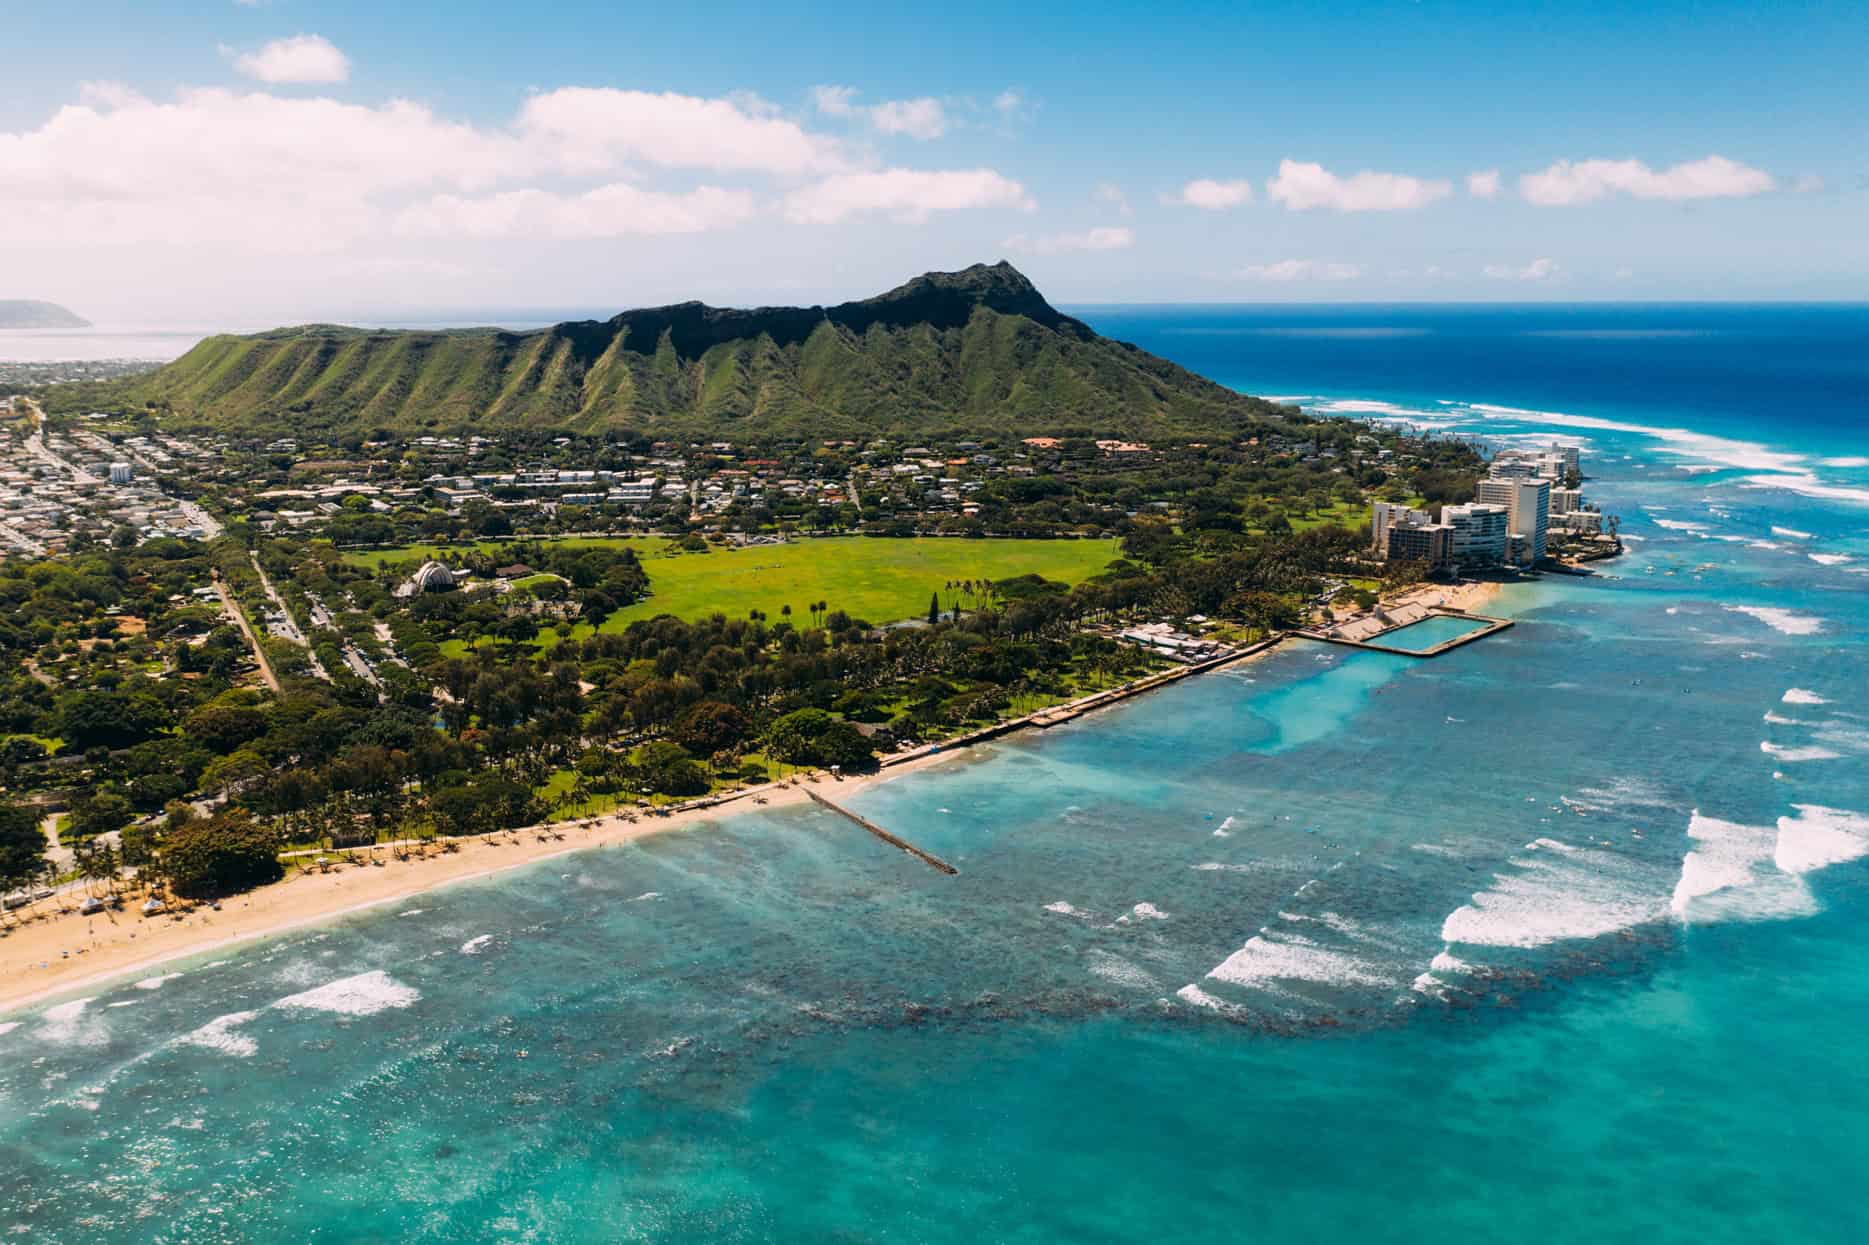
(1558, 937)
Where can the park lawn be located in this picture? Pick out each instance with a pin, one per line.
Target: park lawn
(1343, 514)
(877, 579)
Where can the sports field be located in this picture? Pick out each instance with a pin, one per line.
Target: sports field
(876, 579)
(873, 578)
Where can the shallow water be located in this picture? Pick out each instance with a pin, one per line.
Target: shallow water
(1556, 936)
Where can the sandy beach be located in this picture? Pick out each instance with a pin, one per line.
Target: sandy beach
(63, 954)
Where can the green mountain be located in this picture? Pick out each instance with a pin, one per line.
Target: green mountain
(978, 350)
(27, 313)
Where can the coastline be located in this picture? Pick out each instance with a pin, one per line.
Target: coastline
(63, 955)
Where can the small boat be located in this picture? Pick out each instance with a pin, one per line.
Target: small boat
(152, 906)
(91, 906)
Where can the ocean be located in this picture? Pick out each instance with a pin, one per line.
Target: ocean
(1557, 936)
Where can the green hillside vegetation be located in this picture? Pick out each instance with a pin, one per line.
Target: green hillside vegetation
(973, 352)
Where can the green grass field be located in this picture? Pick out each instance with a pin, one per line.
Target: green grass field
(879, 580)
(876, 579)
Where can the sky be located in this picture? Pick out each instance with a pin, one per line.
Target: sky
(229, 162)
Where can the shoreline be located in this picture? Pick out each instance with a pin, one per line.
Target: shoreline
(64, 955)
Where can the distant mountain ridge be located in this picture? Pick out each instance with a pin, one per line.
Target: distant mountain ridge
(979, 349)
(30, 313)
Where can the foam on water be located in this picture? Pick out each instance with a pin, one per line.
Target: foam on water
(156, 983)
(1806, 752)
(1554, 896)
(1062, 908)
(1148, 912)
(474, 946)
(66, 1024)
(1779, 719)
(219, 1035)
(1829, 559)
(1118, 971)
(1819, 837)
(1726, 856)
(1191, 993)
(362, 995)
(1268, 959)
(1681, 525)
(7, 1026)
(1792, 532)
(1800, 696)
(1790, 622)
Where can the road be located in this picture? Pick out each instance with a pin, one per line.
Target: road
(291, 629)
(36, 446)
(239, 619)
(209, 525)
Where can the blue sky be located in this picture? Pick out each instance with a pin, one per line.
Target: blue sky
(279, 160)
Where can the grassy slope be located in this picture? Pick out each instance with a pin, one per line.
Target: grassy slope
(986, 370)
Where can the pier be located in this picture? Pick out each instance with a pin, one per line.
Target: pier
(927, 858)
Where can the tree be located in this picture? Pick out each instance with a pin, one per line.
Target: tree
(224, 727)
(710, 726)
(22, 847)
(99, 813)
(934, 608)
(222, 854)
(667, 768)
(814, 737)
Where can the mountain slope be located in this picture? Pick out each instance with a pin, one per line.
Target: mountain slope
(978, 350)
(28, 313)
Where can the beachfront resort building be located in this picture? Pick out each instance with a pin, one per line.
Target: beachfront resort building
(1385, 515)
(1477, 535)
(1420, 542)
(1528, 514)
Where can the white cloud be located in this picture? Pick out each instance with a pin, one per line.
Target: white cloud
(1102, 238)
(1212, 195)
(1808, 184)
(1715, 177)
(1483, 185)
(1301, 270)
(1301, 187)
(300, 59)
(1110, 194)
(918, 118)
(835, 101)
(612, 211)
(1008, 102)
(1537, 270)
(294, 175)
(923, 118)
(903, 194)
(594, 129)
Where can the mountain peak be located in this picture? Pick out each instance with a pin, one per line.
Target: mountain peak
(947, 299)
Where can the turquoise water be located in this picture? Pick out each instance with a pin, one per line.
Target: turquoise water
(1418, 637)
(1558, 936)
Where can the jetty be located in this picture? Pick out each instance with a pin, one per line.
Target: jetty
(896, 841)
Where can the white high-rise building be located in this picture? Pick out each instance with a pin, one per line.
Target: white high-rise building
(121, 473)
(1528, 507)
(1477, 533)
(1384, 515)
